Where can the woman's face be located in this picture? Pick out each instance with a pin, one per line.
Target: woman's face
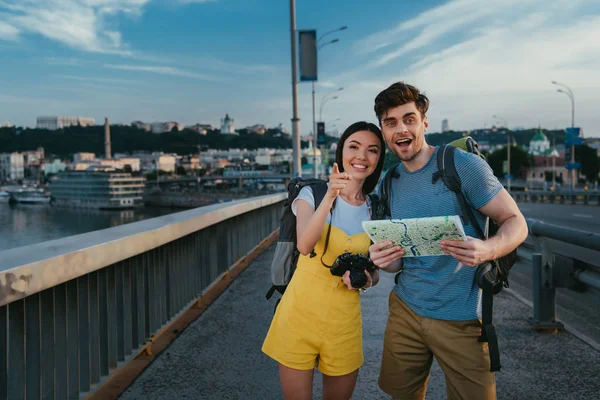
(361, 154)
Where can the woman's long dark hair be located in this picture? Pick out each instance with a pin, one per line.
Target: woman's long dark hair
(371, 181)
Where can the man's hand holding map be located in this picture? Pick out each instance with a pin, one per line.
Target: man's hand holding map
(417, 236)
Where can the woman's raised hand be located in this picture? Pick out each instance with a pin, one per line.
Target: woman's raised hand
(337, 181)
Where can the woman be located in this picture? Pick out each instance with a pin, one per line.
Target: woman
(318, 321)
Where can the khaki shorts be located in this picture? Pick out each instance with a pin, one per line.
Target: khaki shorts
(410, 343)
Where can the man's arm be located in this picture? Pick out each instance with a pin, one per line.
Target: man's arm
(511, 233)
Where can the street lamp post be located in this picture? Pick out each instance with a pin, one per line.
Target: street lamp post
(315, 138)
(296, 165)
(508, 180)
(569, 93)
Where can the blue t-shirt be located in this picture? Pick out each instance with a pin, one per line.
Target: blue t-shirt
(439, 286)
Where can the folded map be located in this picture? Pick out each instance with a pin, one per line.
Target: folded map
(417, 236)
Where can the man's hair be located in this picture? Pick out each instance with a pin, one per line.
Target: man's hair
(397, 94)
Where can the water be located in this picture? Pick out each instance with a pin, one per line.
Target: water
(23, 225)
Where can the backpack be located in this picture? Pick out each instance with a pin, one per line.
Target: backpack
(286, 252)
(490, 276)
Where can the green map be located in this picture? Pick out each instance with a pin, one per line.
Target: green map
(417, 236)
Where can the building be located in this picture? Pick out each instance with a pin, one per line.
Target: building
(539, 145)
(12, 166)
(142, 125)
(78, 157)
(258, 128)
(54, 167)
(445, 125)
(227, 125)
(95, 189)
(54, 123)
(162, 127)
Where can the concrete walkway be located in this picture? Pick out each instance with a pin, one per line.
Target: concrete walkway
(218, 356)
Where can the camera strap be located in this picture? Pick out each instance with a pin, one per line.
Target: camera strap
(328, 234)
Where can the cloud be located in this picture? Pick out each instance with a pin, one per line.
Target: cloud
(162, 70)
(8, 32)
(79, 24)
(498, 57)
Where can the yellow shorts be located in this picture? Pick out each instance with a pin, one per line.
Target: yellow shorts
(317, 323)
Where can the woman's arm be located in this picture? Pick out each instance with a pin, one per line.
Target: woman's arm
(309, 222)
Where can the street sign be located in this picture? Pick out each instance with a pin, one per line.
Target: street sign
(573, 141)
(571, 166)
(505, 166)
(573, 132)
(509, 176)
(321, 132)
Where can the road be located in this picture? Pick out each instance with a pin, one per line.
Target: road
(577, 310)
(585, 218)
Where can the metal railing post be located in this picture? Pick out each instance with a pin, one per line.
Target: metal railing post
(544, 296)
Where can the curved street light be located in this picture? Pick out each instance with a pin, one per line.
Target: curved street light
(315, 138)
(325, 100)
(569, 93)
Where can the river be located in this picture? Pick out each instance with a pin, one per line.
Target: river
(23, 225)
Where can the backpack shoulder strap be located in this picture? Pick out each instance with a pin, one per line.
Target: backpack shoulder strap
(386, 189)
(448, 174)
(319, 189)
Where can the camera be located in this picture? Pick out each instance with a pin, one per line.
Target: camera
(357, 264)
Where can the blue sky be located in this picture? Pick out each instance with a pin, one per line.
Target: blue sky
(193, 60)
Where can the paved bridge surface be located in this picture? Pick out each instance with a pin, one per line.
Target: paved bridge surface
(218, 356)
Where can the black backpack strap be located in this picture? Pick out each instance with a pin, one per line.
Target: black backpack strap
(448, 174)
(488, 330)
(319, 190)
(386, 189)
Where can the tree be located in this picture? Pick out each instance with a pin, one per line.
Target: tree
(127, 168)
(181, 170)
(590, 163)
(520, 160)
(304, 160)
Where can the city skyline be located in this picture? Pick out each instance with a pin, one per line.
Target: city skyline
(193, 61)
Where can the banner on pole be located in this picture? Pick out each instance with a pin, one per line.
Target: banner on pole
(308, 55)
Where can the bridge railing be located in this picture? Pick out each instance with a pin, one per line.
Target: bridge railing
(73, 309)
(584, 197)
(552, 270)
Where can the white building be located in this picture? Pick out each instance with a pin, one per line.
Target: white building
(142, 125)
(539, 145)
(258, 128)
(54, 167)
(78, 157)
(120, 163)
(54, 123)
(11, 166)
(445, 125)
(156, 160)
(227, 125)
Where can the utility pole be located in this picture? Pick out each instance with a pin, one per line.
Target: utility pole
(296, 165)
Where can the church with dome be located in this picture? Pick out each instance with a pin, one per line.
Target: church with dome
(227, 125)
(540, 145)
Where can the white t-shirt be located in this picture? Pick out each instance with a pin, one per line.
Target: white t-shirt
(346, 217)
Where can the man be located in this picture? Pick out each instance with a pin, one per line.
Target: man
(435, 308)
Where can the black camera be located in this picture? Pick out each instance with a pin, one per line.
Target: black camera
(357, 264)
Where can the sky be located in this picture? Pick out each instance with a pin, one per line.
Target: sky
(193, 61)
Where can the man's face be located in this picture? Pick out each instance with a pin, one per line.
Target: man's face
(404, 131)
